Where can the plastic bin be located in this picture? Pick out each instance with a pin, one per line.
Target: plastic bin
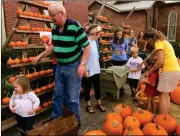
(112, 79)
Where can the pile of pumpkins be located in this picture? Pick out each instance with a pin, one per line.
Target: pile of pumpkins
(43, 3)
(31, 14)
(31, 28)
(35, 74)
(44, 105)
(175, 95)
(18, 44)
(125, 121)
(44, 88)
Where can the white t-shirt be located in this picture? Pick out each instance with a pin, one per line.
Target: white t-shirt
(133, 64)
(24, 103)
(93, 66)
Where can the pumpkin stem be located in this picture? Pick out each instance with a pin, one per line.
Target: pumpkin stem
(129, 134)
(130, 128)
(134, 119)
(34, 69)
(165, 118)
(115, 123)
(123, 105)
(157, 127)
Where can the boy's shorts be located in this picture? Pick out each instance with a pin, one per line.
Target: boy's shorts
(133, 82)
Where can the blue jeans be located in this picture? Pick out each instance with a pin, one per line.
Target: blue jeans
(67, 89)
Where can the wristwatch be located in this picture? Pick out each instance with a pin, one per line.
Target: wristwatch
(83, 63)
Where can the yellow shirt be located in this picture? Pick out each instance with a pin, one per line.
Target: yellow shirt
(170, 63)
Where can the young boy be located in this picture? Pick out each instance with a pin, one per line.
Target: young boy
(134, 71)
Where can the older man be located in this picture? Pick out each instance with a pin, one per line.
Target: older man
(71, 48)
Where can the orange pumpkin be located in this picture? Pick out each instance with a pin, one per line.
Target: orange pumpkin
(44, 88)
(45, 39)
(113, 116)
(31, 59)
(38, 90)
(11, 79)
(154, 129)
(94, 133)
(39, 15)
(175, 96)
(35, 74)
(17, 61)
(10, 62)
(112, 127)
(178, 130)
(19, 44)
(30, 14)
(131, 121)
(21, 27)
(24, 60)
(143, 116)
(42, 73)
(49, 71)
(133, 131)
(25, 44)
(27, 28)
(33, 29)
(123, 109)
(45, 29)
(45, 105)
(19, 11)
(35, 15)
(167, 122)
(6, 100)
(26, 13)
(12, 44)
(49, 102)
(43, 16)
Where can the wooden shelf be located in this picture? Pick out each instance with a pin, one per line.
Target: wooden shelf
(43, 60)
(103, 21)
(8, 123)
(35, 18)
(39, 94)
(26, 32)
(30, 46)
(105, 28)
(106, 36)
(30, 3)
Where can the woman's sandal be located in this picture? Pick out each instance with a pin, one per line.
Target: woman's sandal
(90, 109)
(101, 107)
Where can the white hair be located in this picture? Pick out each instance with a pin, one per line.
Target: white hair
(55, 8)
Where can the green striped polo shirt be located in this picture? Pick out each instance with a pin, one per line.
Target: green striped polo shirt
(69, 44)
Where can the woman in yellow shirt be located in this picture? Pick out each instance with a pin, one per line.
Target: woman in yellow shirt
(167, 61)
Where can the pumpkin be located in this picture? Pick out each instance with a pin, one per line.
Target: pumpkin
(167, 122)
(21, 27)
(30, 14)
(43, 16)
(18, 43)
(45, 39)
(178, 130)
(27, 28)
(123, 109)
(109, 57)
(154, 129)
(24, 59)
(45, 104)
(26, 13)
(6, 100)
(35, 15)
(175, 95)
(17, 61)
(10, 61)
(12, 44)
(113, 116)
(133, 131)
(11, 79)
(94, 133)
(19, 11)
(103, 58)
(142, 87)
(33, 29)
(178, 83)
(31, 59)
(131, 121)
(112, 127)
(39, 15)
(50, 85)
(44, 88)
(42, 73)
(143, 116)
(35, 74)
(45, 29)
(38, 90)
(49, 71)
(53, 83)
(29, 76)
(38, 109)
(25, 44)
(49, 102)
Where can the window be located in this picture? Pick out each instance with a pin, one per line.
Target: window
(172, 22)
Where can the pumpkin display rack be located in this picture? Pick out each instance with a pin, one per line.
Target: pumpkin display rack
(105, 39)
(25, 14)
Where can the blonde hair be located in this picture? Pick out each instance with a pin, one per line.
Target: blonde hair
(95, 28)
(156, 35)
(55, 8)
(23, 81)
(134, 49)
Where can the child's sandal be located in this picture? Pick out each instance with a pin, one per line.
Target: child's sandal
(101, 107)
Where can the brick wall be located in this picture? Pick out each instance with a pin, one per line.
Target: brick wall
(163, 18)
(76, 10)
(137, 20)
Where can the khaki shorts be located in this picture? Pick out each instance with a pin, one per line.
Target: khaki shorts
(168, 81)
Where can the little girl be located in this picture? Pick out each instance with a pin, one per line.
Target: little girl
(23, 103)
(151, 86)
